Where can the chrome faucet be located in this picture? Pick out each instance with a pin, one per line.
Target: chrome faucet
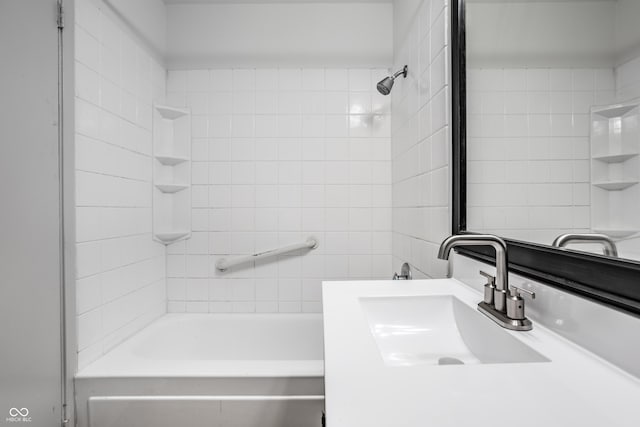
(499, 304)
(405, 272)
(609, 247)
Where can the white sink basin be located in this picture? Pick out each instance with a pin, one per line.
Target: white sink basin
(440, 330)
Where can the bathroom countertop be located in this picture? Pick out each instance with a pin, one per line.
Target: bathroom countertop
(575, 388)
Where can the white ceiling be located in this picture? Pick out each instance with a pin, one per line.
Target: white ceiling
(271, 1)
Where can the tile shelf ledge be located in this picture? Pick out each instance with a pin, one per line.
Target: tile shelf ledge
(615, 158)
(616, 232)
(171, 188)
(170, 160)
(171, 113)
(613, 111)
(615, 185)
(171, 236)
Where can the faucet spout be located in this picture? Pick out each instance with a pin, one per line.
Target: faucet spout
(502, 278)
(609, 247)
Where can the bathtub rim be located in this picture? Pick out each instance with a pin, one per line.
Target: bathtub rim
(121, 362)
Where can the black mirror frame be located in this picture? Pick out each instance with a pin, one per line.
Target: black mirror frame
(613, 282)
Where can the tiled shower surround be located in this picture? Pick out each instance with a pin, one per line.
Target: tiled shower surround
(280, 155)
(420, 143)
(120, 270)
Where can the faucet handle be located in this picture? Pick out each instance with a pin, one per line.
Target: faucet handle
(491, 280)
(515, 303)
(517, 291)
(489, 288)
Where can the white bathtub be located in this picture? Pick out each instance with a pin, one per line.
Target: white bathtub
(209, 369)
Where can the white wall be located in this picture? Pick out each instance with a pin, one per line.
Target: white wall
(147, 19)
(626, 29)
(552, 33)
(421, 142)
(405, 12)
(279, 155)
(628, 80)
(120, 270)
(540, 34)
(279, 35)
(528, 149)
(31, 318)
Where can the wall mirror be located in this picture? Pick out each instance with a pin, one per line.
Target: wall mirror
(547, 138)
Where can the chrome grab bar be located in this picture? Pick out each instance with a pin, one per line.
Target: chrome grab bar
(225, 263)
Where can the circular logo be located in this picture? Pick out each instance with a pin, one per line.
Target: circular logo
(15, 412)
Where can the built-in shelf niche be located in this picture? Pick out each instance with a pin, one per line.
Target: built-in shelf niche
(615, 169)
(171, 174)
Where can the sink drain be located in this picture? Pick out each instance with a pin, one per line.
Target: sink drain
(450, 361)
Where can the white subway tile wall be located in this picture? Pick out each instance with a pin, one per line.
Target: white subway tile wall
(421, 143)
(280, 155)
(528, 149)
(120, 270)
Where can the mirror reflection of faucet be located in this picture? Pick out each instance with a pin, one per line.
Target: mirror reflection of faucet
(500, 303)
(608, 245)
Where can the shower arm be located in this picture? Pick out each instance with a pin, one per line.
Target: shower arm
(404, 72)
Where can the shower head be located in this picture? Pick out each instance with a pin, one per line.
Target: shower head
(385, 85)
